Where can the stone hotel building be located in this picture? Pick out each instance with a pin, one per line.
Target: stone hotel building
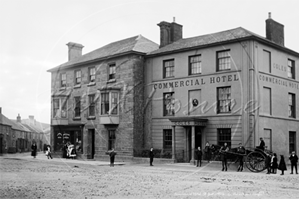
(232, 86)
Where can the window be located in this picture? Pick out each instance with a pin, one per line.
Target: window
(292, 105)
(224, 100)
(267, 105)
(111, 139)
(167, 138)
(195, 64)
(169, 104)
(112, 71)
(92, 105)
(224, 135)
(92, 74)
(77, 106)
(267, 61)
(168, 68)
(109, 103)
(223, 60)
(77, 77)
(291, 69)
(63, 82)
(59, 108)
(292, 141)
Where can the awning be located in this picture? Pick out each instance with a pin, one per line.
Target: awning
(188, 121)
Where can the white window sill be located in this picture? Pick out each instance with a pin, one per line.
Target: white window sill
(111, 81)
(77, 86)
(92, 84)
(62, 88)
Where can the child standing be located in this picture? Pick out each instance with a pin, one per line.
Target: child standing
(274, 164)
(48, 152)
(282, 165)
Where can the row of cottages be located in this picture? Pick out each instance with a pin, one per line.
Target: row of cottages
(232, 86)
(18, 137)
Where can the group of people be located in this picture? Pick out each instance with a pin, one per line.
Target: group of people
(47, 150)
(69, 150)
(272, 163)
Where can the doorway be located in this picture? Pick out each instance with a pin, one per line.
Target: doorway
(198, 141)
(91, 144)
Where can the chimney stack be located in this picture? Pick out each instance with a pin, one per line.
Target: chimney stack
(75, 50)
(19, 118)
(274, 31)
(169, 32)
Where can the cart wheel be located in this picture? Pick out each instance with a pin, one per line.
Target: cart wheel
(255, 161)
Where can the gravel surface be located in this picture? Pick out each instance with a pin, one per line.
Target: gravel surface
(25, 177)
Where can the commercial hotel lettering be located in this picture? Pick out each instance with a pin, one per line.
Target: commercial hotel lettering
(278, 81)
(196, 81)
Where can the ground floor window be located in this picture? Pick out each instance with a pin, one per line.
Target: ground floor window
(292, 141)
(224, 135)
(111, 139)
(62, 137)
(167, 133)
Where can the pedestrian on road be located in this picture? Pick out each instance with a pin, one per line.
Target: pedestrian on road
(294, 160)
(151, 156)
(282, 165)
(241, 150)
(199, 156)
(33, 149)
(223, 152)
(268, 163)
(48, 152)
(112, 157)
(64, 150)
(207, 151)
(274, 164)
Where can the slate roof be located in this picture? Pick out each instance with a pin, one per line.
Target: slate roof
(15, 125)
(211, 39)
(138, 44)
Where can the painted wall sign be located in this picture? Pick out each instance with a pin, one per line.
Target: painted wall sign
(278, 81)
(196, 81)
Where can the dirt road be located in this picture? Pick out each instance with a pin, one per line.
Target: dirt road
(22, 177)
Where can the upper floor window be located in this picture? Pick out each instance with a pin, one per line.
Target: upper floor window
(168, 70)
(292, 105)
(267, 61)
(92, 74)
(169, 104)
(291, 69)
(92, 106)
(195, 64)
(112, 71)
(77, 77)
(223, 60)
(267, 101)
(224, 100)
(77, 107)
(59, 108)
(63, 81)
(109, 103)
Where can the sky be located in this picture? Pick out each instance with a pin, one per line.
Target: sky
(34, 34)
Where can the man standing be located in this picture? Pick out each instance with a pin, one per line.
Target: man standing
(294, 160)
(151, 155)
(33, 149)
(199, 156)
(223, 151)
(241, 150)
(112, 157)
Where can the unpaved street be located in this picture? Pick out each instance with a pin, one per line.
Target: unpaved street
(25, 177)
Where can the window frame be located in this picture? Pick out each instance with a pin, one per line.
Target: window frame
(218, 60)
(76, 107)
(63, 81)
(292, 106)
(92, 76)
(167, 143)
(112, 103)
(61, 111)
(270, 59)
(222, 141)
(166, 112)
(92, 106)
(111, 139)
(291, 69)
(165, 68)
(111, 71)
(191, 64)
(227, 101)
(76, 77)
(293, 141)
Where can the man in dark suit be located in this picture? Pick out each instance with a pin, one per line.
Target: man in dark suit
(294, 159)
(199, 156)
(151, 155)
(223, 151)
(262, 144)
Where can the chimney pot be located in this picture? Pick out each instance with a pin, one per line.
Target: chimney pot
(74, 50)
(269, 15)
(18, 118)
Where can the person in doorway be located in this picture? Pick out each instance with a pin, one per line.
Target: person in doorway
(207, 151)
(33, 150)
(294, 160)
(223, 152)
(274, 164)
(199, 156)
(241, 150)
(48, 152)
(151, 156)
(282, 165)
(112, 155)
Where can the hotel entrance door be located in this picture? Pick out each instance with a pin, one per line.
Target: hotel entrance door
(197, 139)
